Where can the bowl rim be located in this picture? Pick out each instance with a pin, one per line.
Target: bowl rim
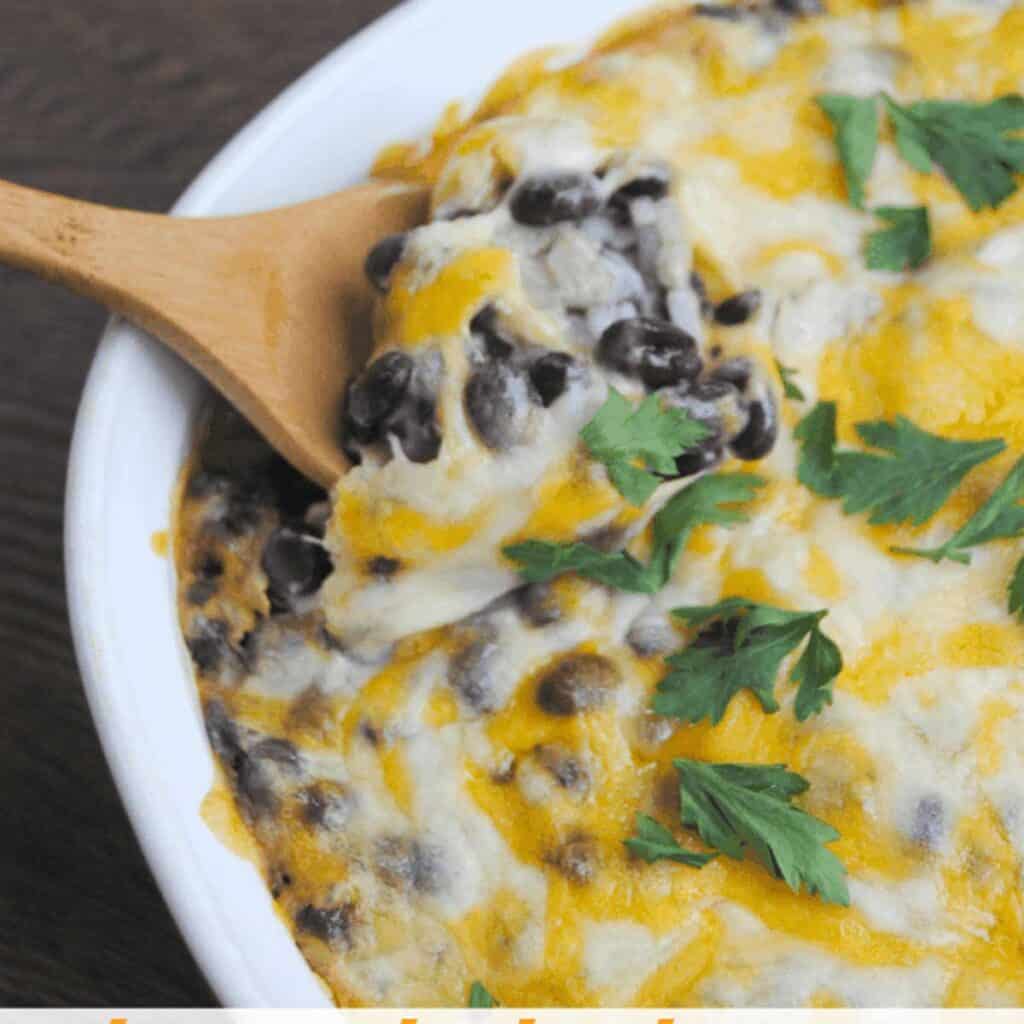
(204, 931)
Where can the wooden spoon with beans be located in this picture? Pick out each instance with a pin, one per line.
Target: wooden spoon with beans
(271, 308)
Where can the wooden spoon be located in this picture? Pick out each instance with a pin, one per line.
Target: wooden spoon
(270, 308)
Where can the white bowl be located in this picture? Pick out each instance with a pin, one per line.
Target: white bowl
(134, 428)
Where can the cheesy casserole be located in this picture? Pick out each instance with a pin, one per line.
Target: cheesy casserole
(473, 707)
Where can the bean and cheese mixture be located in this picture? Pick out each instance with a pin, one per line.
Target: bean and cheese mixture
(664, 644)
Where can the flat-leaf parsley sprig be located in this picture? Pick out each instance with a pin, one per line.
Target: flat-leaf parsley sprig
(746, 810)
(905, 244)
(741, 646)
(976, 144)
(480, 998)
(909, 483)
(715, 499)
(979, 146)
(653, 842)
(637, 444)
(743, 809)
(1000, 518)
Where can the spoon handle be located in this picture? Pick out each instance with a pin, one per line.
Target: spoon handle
(144, 266)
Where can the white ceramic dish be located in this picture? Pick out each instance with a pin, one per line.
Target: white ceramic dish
(134, 428)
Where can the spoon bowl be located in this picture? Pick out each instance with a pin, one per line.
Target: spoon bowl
(271, 308)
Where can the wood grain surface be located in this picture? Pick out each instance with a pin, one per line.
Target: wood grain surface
(121, 102)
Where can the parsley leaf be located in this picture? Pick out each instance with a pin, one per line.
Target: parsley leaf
(909, 484)
(619, 436)
(814, 674)
(1001, 517)
(971, 142)
(816, 434)
(1016, 591)
(542, 560)
(654, 842)
(480, 998)
(855, 120)
(789, 386)
(709, 499)
(746, 808)
(905, 244)
(741, 647)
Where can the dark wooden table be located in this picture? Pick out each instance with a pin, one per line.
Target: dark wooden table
(121, 102)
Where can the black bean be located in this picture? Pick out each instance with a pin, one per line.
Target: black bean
(332, 925)
(383, 567)
(800, 8)
(254, 788)
(485, 326)
(707, 402)
(737, 372)
(929, 822)
(247, 501)
(577, 683)
(409, 864)
(281, 752)
(377, 393)
(653, 184)
(293, 493)
(208, 643)
(497, 401)
(279, 881)
(723, 12)
(381, 260)
(758, 437)
(550, 375)
(656, 351)
(700, 458)
(738, 308)
(246, 773)
(222, 732)
(472, 675)
(700, 289)
(566, 769)
(327, 805)
(205, 484)
(546, 199)
(370, 733)
(295, 564)
(537, 604)
(577, 859)
(416, 429)
(200, 591)
(209, 567)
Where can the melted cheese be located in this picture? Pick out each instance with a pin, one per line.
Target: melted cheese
(918, 763)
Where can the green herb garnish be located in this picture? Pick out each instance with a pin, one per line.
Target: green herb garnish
(974, 143)
(480, 998)
(711, 499)
(1015, 591)
(741, 646)
(789, 386)
(636, 444)
(746, 808)
(905, 244)
(654, 842)
(855, 120)
(909, 484)
(1000, 518)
